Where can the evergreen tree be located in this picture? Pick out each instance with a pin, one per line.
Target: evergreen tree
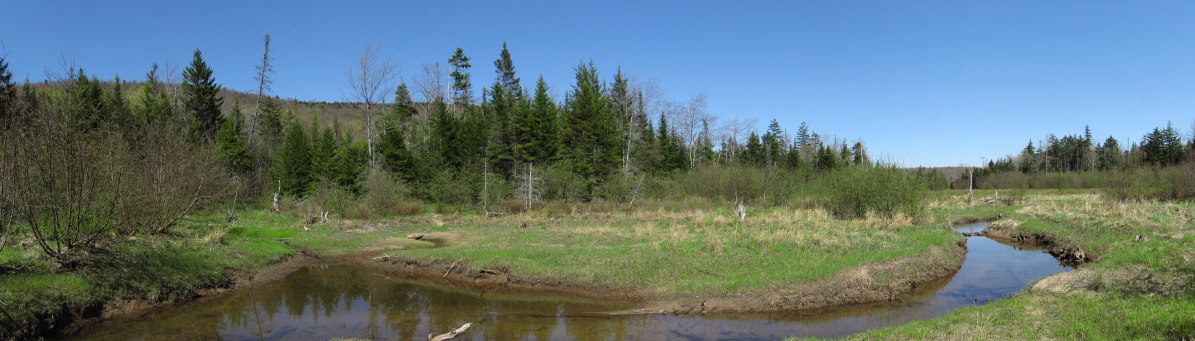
(1110, 154)
(507, 96)
(462, 87)
(230, 140)
(8, 94)
(395, 155)
(404, 107)
(154, 105)
(292, 167)
(87, 103)
(545, 125)
(200, 99)
(505, 68)
(860, 154)
(590, 129)
(270, 123)
(323, 150)
(755, 154)
(825, 160)
(350, 165)
(803, 139)
(119, 111)
(772, 144)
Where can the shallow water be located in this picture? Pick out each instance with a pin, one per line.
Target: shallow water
(342, 301)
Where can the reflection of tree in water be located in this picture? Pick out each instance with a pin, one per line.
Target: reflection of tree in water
(331, 301)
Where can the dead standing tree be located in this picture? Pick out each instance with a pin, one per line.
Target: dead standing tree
(370, 81)
(264, 83)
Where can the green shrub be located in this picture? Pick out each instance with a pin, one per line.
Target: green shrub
(853, 192)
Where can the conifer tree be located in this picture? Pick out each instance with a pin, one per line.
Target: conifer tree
(350, 165)
(590, 129)
(505, 146)
(8, 94)
(545, 125)
(505, 68)
(462, 87)
(87, 103)
(755, 152)
(292, 167)
(323, 150)
(118, 108)
(230, 140)
(200, 99)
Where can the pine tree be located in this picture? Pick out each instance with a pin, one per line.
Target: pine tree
(230, 140)
(292, 167)
(462, 87)
(200, 99)
(590, 129)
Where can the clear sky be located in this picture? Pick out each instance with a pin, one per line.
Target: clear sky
(936, 83)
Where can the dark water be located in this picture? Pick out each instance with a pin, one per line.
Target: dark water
(343, 301)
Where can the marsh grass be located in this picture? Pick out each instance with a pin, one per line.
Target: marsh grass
(673, 252)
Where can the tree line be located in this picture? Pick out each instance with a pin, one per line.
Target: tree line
(84, 159)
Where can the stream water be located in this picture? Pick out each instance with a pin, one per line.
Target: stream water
(322, 302)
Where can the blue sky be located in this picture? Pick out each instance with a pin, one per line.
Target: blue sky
(936, 83)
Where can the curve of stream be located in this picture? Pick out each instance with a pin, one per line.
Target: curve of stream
(322, 302)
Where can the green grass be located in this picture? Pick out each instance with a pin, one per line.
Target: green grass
(703, 252)
(37, 294)
(1114, 299)
(1032, 316)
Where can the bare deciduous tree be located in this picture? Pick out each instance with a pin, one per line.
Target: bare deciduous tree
(370, 81)
(431, 84)
(687, 118)
(264, 83)
(733, 128)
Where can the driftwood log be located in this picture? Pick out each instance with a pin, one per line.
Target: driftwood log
(449, 335)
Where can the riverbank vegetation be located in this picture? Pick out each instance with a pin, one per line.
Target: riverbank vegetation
(1136, 284)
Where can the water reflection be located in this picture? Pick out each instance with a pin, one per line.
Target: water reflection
(341, 301)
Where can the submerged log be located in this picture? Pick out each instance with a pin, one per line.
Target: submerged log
(449, 335)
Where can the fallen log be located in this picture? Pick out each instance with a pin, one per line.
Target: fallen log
(449, 335)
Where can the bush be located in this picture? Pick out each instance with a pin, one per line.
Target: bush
(383, 191)
(853, 192)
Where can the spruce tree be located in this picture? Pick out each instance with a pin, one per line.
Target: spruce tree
(462, 87)
(505, 68)
(545, 125)
(200, 99)
(119, 111)
(231, 141)
(154, 105)
(350, 165)
(292, 167)
(87, 103)
(590, 129)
